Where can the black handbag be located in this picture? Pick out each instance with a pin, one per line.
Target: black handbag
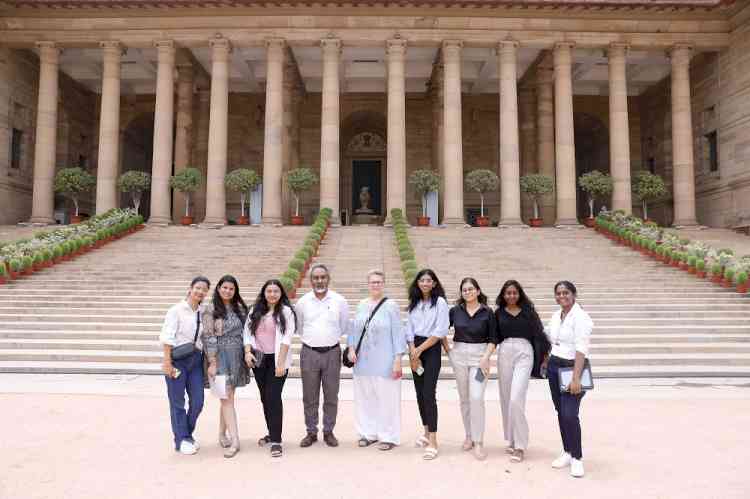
(345, 356)
(186, 350)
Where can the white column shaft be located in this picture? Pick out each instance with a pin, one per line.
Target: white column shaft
(452, 138)
(510, 190)
(565, 154)
(109, 129)
(272, 144)
(161, 168)
(396, 145)
(329, 128)
(619, 130)
(683, 168)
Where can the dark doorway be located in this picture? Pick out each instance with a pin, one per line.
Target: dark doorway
(592, 153)
(366, 173)
(138, 149)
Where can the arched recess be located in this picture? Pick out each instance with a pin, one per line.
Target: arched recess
(592, 153)
(137, 144)
(363, 151)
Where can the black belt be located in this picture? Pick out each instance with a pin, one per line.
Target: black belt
(322, 349)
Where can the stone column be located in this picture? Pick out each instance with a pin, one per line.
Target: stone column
(200, 149)
(272, 154)
(216, 197)
(510, 191)
(619, 130)
(436, 86)
(545, 132)
(109, 129)
(396, 144)
(183, 139)
(161, 168)
(683, 169)
(43, 201)
(329, 128)
(565, 154)
(527, 138)
(452, 139)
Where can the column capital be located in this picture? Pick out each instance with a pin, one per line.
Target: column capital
(452, 49)
(395, 46)
(618, 49)
(331, 45)
(164, 45)
(275, 43)
(48, 51)
(680, 53)
(564, 45)
(506, 45)
(112, 47)
(219, 43)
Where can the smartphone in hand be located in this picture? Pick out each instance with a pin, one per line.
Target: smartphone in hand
(479, 376)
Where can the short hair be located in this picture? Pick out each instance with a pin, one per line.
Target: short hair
(375, 272)
(567, 285)
(198, 279)
(317, 266)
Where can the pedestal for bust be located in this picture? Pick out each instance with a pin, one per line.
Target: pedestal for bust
(366, 219)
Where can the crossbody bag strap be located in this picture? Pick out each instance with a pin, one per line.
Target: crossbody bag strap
(197, 326)
(364, 329)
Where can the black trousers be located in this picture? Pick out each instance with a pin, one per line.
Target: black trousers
(567, 406)
(426, 384)
(270, 388)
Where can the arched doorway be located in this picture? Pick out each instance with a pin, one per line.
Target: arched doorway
(592, 153)
(363, 166)
(137, 153)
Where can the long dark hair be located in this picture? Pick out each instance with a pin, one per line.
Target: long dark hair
(524, 302)
(261, 308)
(415, 294)
(238, 304)
(482, 298)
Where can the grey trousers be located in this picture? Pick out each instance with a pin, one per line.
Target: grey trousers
(514, 361)
(465, 359)
(320, 369)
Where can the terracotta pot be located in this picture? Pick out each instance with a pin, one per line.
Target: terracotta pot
(298, 220)
(483, 221)
(186, 220)
(423, 221)
(75, 219)
(683, 265)
(691, 270)
(27, 271)
(536, 222)
(36, 267)
(700, 274)
(57, 259)
(3, 280)
(589, 221)
(13, 275)
(676, 264)
(243, 220)
(716, 278)
(742, 288)
(726, 283)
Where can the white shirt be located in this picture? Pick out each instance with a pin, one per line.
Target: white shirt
(179, 325)
(280, 339)
(572, 335)
(425, 320)
(322, 323)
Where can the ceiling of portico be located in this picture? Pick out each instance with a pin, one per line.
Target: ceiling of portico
(363, 69)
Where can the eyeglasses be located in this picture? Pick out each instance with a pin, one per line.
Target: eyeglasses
(376, 283)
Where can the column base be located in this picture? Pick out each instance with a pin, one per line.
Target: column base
(41, 221)
(565, 223)
(511, 223)
(212, 223)
(687, 224)
(454, 222)
(160, 221)
(272, 221)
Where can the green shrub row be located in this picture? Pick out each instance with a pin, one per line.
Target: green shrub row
(296, 266)
(409, 267)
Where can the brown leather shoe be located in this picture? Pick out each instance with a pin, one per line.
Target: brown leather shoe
(330, 439)
(309, 439)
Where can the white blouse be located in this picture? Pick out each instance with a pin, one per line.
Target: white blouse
(572, 335)
(285, 339)
(179, 325)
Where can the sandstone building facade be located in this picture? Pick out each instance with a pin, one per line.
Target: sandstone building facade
(365, 93)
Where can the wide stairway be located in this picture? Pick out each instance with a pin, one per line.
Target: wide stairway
(102, 312)
(650, 320)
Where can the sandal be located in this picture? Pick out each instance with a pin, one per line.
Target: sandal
(224, 442)
(422, 442)
(467, 446)
(262, 442)
(230, 452)
(276, 450)
(430, 453)
(479, 453)
(517, 456)
(365, 442)
(510, 450)
(386, 446)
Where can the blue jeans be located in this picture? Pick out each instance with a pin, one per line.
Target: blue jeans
(567, 406)
(190, 380)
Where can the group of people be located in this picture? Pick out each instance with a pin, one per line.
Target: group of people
(230, 338)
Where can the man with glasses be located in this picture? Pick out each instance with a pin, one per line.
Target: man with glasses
(323, 317)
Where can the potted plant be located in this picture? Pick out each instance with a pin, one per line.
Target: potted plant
(482, 181)
(700, 269)
(27, 265)
(424, 181)
(742, 282)
(596, 185)
(691, 262)
(135, 183)
(3, 273)
(535, 186)
(300, 180)
(14, 268)
(648, 187)
(186, 181)
(728, 277)
(73, 182)
(242, 180)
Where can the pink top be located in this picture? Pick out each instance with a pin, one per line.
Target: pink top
(265, 335)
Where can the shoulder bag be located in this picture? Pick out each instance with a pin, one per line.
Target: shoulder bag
(345, 356)
(187, 349)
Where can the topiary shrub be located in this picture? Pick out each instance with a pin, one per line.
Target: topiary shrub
(73, 182)
(297, 264)
(135, 183)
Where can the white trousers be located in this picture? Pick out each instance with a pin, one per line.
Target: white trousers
(514, 363)
(377, 408)
(465, 359)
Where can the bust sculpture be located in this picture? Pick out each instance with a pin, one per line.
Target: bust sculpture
(364, 201)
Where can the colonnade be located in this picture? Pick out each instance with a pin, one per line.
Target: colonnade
(555, 151)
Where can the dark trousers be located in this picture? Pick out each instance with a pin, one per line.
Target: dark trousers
(567, 406)
(426, 384)
(320, 369)
(270, 387)
(190, 380)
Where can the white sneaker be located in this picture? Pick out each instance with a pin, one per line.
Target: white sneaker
(562, 461)
(197, 445)
(576, 468)
(187, 448)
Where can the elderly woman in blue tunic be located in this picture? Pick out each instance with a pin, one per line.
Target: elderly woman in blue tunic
(377, 366)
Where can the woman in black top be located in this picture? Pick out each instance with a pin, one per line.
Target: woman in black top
(474, 340)
(523, 345)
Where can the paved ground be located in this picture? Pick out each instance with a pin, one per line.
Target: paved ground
(72, 436)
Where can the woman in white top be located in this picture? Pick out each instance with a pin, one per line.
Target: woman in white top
(569, 331)
(268, 336)
(182, 326)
